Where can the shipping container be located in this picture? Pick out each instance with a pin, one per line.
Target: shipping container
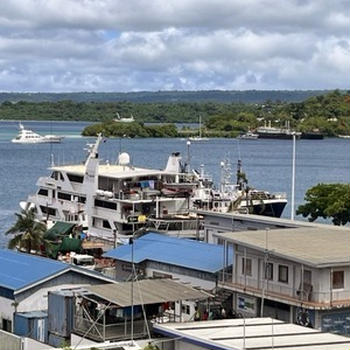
(60, 313)
(32, 325)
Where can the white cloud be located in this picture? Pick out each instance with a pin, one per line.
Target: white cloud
(106, 45)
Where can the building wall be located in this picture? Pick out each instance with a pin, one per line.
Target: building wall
(220, 223)
(320, 278)
(6, 310)
(183, 345)
(152, 269)
(9, 341)
(36, 298)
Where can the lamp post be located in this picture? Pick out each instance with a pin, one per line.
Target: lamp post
(188, 143)
(293, 178)
(132, 289)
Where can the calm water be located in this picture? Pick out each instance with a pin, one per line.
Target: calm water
(267, 163)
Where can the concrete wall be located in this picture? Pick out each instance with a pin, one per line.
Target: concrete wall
(10, 341)
(6, 309)
(183, 345)
(31, 344)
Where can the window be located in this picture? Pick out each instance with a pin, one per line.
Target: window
(106, 224)
(269, 271)
(75, 178)
(81, 199)
(246, 267)
(47, 210)
(338, 280)
(105, 204)
(7, 325)
(43, 192)
(65, 196)
(283, 273)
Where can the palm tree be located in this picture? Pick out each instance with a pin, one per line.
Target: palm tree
(28, 232)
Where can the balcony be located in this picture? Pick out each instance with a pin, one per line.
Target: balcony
(100, 331)
(284, 293)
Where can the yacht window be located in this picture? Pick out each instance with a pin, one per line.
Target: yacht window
(81, 199)
(43, 192)
(75, 178)
(64, 196)
(105, 204)
(47, 210)
(106, 224)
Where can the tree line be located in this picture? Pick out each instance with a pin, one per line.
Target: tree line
(328, 113)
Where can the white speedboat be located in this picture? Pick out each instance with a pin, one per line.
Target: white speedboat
(29, 136)
(249, 135)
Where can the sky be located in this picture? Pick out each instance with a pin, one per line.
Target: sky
(137, 45)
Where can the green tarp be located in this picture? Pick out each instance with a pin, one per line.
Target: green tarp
(59, 230)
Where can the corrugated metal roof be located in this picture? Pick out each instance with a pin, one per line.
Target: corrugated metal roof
(251, 333)
(318, 246)
(175, 251)
(32, 314)
(146, 292)
(18, 270)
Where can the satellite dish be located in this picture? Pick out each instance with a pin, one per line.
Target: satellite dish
(124, 159)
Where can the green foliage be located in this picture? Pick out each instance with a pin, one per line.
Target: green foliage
(119, 129)
(225, 117)
(327, 201)
(28, 232)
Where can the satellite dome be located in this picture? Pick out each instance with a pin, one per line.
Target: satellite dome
(124, 159)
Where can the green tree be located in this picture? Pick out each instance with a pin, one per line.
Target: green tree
(28, 232)
(327, 201)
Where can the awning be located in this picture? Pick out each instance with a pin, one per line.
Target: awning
(151, 291)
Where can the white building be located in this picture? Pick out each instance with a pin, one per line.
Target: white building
(298, 275)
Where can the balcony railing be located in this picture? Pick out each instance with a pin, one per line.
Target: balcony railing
(275, 290)
(115, 331)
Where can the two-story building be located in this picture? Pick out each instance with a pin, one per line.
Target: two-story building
(299, 275)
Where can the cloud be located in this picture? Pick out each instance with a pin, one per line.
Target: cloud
(106, 45)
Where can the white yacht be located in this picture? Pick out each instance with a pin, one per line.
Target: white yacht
(123, 119)
(111, 201)
(29, 136)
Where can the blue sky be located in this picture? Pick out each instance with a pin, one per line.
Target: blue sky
(114, 45)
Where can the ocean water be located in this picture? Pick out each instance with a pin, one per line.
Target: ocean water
(267, 163)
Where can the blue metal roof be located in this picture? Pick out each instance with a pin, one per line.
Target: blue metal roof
(32, 314)
(18, 270)
(175, 251)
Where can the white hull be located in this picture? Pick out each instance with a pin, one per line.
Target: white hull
(26, 136)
